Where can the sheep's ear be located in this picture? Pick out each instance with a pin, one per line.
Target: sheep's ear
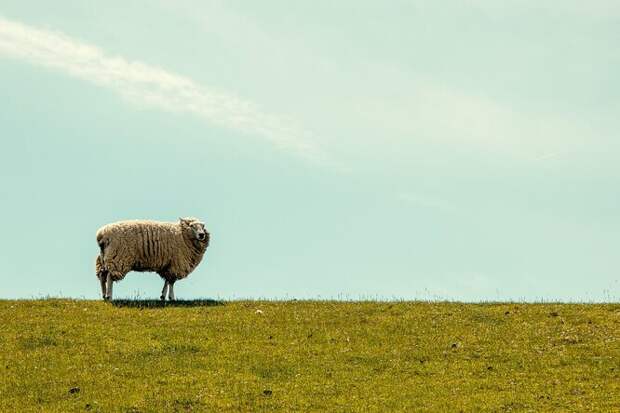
(182, 220)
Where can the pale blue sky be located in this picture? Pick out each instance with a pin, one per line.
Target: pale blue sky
(405, 149)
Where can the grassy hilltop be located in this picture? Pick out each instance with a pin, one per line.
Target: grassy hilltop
(65, 356)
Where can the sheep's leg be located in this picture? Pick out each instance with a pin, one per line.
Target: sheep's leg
(171, 291)
(102, 281)
(109, 286)
(164, 290)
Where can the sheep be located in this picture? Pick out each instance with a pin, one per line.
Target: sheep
(172, 250)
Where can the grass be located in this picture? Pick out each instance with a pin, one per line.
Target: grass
(142, 356)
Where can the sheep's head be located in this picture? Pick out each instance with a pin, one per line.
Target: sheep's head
(196, 227)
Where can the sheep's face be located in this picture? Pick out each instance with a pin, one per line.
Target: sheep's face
(197, 228)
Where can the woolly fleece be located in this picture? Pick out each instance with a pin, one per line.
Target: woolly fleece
(169, 249)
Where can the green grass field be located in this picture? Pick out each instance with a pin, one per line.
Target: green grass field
(139, 356)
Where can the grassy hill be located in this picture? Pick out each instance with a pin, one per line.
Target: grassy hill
(139, 356)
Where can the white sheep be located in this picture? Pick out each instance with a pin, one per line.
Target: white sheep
(172, 250)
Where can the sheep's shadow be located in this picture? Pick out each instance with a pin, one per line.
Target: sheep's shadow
(163, 304)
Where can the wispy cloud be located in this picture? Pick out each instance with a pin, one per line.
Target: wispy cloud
(451, 118)
(429, 202)
(147, 85)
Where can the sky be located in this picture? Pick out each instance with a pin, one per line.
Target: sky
(335, 150)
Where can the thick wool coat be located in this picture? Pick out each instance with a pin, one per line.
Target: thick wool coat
(169, 249)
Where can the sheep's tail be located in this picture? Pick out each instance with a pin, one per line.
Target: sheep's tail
(99, 268)
(99, 265)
